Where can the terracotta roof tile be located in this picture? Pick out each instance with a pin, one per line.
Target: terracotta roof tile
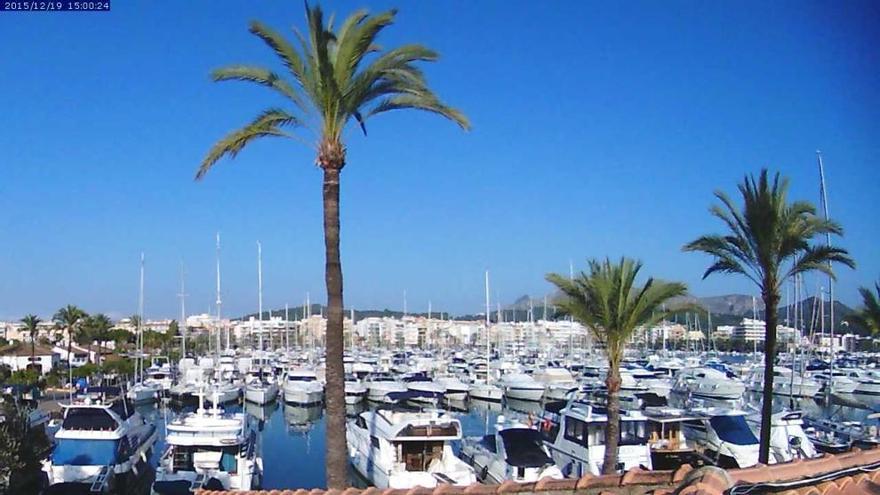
(681, 472)
(554, 484)
(584, 481)
(479, 489)
(639, 476)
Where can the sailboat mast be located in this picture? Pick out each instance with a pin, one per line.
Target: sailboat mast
(824, 198)
(219, 301)
(182, 326)
(140, 324)
(260, 291)
(488, 344)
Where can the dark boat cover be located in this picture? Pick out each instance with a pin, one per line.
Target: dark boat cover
(733, 429)
(524, 447)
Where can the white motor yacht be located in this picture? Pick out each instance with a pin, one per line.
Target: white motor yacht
(575, 435)
(211, 450)
(407, 449)
(558, 382)
(837, 381)
(382, 387)
(480, 390)
(355, 391)
(101, 441)
(521, 387)
(707, 383)
(301, 386)
(514, 452)
(788, 441)
(454, 389)
(260, 388)
(868, 381)
(785, 382)
(723, 435)
(423, 389)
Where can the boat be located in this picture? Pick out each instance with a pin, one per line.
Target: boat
(707, 383)
(261, 389)
(558, 382)
(453, 388)
(862, 434)
(575, 435)
(102, 443)
(423, 388)
(355, 391)
(788, 440)
(515, 452)
(785, 382)
(521, 386)
(868, 381)
(301, 386)
(143, 393)
(407, 449)
(837, 381)
(210, 450)
(669, 446)
(722, 436)
(483, 391)
(380, 385)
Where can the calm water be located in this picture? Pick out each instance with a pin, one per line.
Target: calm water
(293, 437)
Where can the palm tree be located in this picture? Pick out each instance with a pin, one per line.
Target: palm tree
(30, 324)
(100, 326)
(768, 241)
(333, 77)
(607, 301)
(70, 318)
(869, 315)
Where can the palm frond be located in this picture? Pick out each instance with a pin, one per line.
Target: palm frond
(261, 76)
(267, 124)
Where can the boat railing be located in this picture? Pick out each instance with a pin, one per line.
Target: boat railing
(100, 482)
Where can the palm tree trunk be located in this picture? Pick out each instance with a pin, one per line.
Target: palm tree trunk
(771, 301)
(336, 449)
(612, 430)
(34, 354)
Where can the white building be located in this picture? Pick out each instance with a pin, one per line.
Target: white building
(752, 330)
(18, 357)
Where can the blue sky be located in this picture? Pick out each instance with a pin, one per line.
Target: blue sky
(599, 129)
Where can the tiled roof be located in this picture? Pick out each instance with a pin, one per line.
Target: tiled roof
(797, 475)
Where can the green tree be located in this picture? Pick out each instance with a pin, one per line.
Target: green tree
(868, 316)
(31, 323)
(70, 318)
(99, 329)
(608, 302)
(769, 240)
(333, 77)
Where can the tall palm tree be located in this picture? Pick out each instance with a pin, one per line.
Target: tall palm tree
(869, 315)
(608, 302)
(333, 77)
(70, 318)
(769, 240)
(30, 324)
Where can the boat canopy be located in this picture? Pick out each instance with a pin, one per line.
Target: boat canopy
(733, 429)
(524, 447)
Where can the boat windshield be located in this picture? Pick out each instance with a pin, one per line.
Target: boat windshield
(301, 379)
(83, 452)
(733, 429)
(524, 447)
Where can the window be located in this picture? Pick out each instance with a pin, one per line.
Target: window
(633, 432)
(596, 434)
(374, 441)
(575, 430)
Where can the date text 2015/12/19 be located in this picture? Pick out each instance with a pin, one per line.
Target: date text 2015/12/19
(54, 6)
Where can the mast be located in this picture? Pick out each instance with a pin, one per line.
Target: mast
(182, 325)
(824, 199)
(260, 292)
(140, 324)
(286, 330)
(219, 301)
(488, 344)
